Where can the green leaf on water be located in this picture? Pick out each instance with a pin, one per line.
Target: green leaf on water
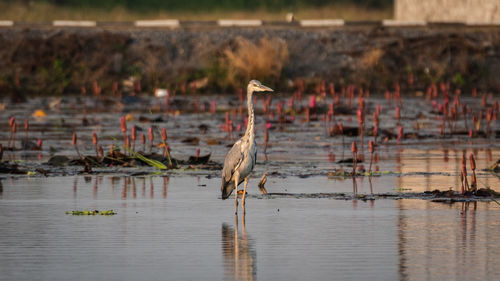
(377, 173)
(107, 213)
(401, 189)
(150, 162)
(31, 173)
(91, 213)
(340, 173)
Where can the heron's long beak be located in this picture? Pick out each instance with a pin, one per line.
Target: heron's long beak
(265, 88)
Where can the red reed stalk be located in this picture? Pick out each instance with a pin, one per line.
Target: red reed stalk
(354, 150)
(94, 141)
(371, 147)
(143, 140)
(151, 139)
(74, 141)
(465, 183)
(123, 123)
(473, 167)
(133, 136)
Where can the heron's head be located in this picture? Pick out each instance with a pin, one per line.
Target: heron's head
(256, 86)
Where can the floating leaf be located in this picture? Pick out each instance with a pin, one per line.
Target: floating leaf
(107, 213)
(39, 113)
(129, 117)
(91, 213)
(340, 173)
(213, 142)
(58, 160)
(151, 162)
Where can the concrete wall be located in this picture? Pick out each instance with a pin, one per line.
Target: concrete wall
(471, 11)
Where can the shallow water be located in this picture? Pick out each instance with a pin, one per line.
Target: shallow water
(298, 149)
(176, 228)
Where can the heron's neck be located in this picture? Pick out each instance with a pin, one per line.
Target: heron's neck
(250, 125)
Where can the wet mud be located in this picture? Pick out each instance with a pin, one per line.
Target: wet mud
(419, 150)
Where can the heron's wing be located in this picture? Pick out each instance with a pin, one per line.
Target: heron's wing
(233, 160)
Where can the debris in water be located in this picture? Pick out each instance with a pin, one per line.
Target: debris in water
(91, 213)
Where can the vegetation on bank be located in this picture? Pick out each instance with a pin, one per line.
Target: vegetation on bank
(70, 64)
(215, 4)
(107, 10)
(95, 62)
(70, 61)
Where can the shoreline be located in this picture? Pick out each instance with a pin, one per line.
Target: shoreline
(43, 60)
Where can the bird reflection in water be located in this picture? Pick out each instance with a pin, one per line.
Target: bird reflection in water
(238, 252)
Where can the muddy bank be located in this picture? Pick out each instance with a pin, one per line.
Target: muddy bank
(43, 60)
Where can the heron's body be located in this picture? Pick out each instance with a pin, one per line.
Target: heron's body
(245, 150)
(241, 158)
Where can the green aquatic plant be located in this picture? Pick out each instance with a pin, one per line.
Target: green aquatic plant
(379, 173)
(341, 173)
(402, 189)
(458, 79)
(150, 162)
(55, 78)
(91, 213)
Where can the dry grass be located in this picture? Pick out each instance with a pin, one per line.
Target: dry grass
(45, 12)
(262, 60)
(371, 58)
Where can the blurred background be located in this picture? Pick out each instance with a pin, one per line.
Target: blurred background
(125, 10)
(410, 53)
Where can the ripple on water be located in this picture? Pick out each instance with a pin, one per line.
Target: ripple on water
(179, 230)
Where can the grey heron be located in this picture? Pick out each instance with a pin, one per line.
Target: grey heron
(240, 160)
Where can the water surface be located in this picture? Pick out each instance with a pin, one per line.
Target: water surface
(176, 228)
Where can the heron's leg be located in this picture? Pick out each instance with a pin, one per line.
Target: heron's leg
(236, 180)
(244, 193)
(236, 245)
